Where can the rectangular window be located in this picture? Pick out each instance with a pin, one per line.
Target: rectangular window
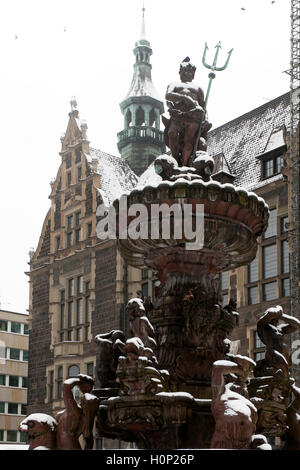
(285, 286)
(2, 379)
(145, 289)
(144, 273)
(57, 243)
(224, 280)
(90, 369)
(24, 382)
(253, 270)
(87, 286)
(88, 309)
(69, 176)
(62, 316)
(257, 341)
(283, 222)
(2, 407)
(69, 239)
(71, 287)
(79, 312)
(225, 300)
(268, 168)
(258, 356)
(3, 325)
(3, 351)
(12, 436)
(285, 263)
(86, 333)
(62, 337)
(79, 334)
(26, 329)
(13, 381)
(270, 291)
(79, 285)
(269, 261)
(1, 435)
(14, 354)
(15, 327)
(12, 408)
(51, 385)
(70, 335)
(252, 295)
(279, 162)
(25, 355)
(23, 437)
(62, 295)
(23, 409)
(79, 173)
(272, 225)
(77, 235)
(77, 218)
(89, 229)
(70, 222)
(70, 314)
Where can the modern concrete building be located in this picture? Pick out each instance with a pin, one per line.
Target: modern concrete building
(14, 341)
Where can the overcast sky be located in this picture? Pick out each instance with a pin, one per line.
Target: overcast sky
(53, 50)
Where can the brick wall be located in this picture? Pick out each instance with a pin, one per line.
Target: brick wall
(39, 344)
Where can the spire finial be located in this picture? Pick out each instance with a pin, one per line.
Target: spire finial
(143, 32)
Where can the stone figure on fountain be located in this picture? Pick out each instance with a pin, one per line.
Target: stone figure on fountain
(234, 414)
(186, 130)
(109, 353)
(272, 386)
(76, 420)
(185, 100)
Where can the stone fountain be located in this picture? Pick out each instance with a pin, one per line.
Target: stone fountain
(173, 383)
(161, 396)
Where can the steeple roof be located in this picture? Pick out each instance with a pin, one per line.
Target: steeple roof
(141, 84)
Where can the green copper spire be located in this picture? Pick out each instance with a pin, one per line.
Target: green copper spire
(141, 141)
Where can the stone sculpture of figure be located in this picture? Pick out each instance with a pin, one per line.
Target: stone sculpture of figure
(40, 430)
(139, 324)
(272, 334)
(293, 422)
(185, 100)
(109, 353)
(76, 419)
(234, 414)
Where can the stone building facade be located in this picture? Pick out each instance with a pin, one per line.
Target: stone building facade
(14, 341)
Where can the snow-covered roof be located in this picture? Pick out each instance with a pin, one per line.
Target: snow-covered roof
(248, 136)
(115, 174)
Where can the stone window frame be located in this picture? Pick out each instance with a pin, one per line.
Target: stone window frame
(277, 239)
(77, 331)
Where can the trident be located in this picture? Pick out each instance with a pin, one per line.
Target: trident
(211, 76)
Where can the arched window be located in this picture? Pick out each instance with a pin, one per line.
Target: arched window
(73, 371)
(128, 118)
(140, 117)
(152, 117)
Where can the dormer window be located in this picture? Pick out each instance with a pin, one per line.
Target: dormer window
(272, 166)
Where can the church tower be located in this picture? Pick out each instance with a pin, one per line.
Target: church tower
(141, 140)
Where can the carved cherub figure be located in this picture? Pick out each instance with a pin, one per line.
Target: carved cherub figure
(40, 429)
(185, 100)
(140, 326)
(76, 419)
(272, 328)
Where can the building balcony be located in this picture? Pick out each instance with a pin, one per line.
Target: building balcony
(68, 348)
(140, 133)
